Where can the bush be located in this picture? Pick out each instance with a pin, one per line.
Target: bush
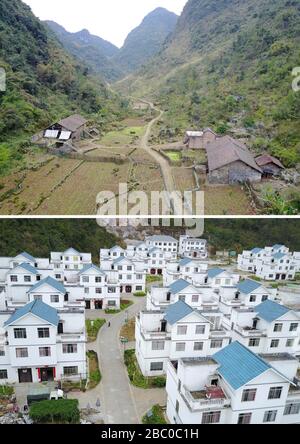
(157, 416)
(6, 390)
(63, 411)
(135, 375)
(140, 294)
(159, 381)
(93, 328)
(95, 374)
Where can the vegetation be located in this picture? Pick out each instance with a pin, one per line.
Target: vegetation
(6, 390)
(93, 327)
(135, 375)
(124, 305)
(140, 294)
(94, 370)
(155, 416)
(128, 330)
(150, 279)
(63, 411)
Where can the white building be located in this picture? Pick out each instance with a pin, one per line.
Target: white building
(192, 247)
(179, 331)
(167, 244)
(270, 263)
(70, 260)
(234, 386)
(188, 269)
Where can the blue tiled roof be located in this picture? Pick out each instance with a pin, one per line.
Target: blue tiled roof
(270, 310)
(178, 286)
(71, 251)
(279, 256)
(28, 268)
(152, 250)
(162, 238)
(185, 261)
(120, 259)
(39, 309)
(214, 272)
(177, 311)
(28, 256)
(256, 250)
(50, 281)
(91, 266)
(248, 286)
(239, 365)
(277, 246)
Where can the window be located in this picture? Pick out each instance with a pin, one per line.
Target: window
(14, 279)
(200, 329)
(85, 279)
(20, 333)
(180, 346)
(69, 371)
(218, 281)
(54, 298)
(27, 278)
(252, 298)
(270, 416)
(139, 288)
(2, 351)
(211, 417)
(244, 418)
(112, 290)
(216, 343)
(38, 297)
(86, 290)
(139, 277)
(69, 348)
(249, 395)
(129, 268)
(264, 298)
(157, 366)
(294, 326)
(278, 327)
(158, 345)
(195, 298)
(198, 346)
(3, 374)
(292, 409)
(274, 343)
(58, 276)
(22, 352)
(43, 333)
(98, 290)
(275, 393)
(112, 303)
(254, 342)
(129, 277)
(182, 330)
(44, 352)
(182, 298)
(290, 343)
(98, 280)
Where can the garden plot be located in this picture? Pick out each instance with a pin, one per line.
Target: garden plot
(225, 200)
(184, 179)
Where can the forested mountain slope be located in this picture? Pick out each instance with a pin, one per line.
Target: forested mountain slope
(228, 65)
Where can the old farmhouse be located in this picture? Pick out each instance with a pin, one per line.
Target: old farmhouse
(199, 139)
(71, 128)
(269, 165)
(230, 162)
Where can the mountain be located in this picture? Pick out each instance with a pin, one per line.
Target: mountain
(90, 49)
(44, 82)
(146, 40)
(228, 65)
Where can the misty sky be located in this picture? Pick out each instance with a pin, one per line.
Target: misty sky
(110, 19)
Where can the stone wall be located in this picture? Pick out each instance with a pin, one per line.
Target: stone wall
(236, 172)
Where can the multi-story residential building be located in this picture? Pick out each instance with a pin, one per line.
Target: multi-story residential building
(233, 386)
(70, 260)
(130, 275)
(192, 247)
(167, 244)
(270, 263)
(188, 269)
(178, 331)
(44, 339)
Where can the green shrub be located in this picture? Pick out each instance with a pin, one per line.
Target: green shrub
(157, 416)
(135, 375)
(159, 381)
(6, 390)
(63, 411)
(93, 328)
(140, 294)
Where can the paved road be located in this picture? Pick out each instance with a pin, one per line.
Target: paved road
(170, 186)
(116, 393)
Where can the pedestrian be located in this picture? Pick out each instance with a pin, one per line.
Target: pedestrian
(109, 324)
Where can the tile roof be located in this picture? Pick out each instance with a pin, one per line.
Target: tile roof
(49, 281)
(121, 259)
(239, 365)
(256, 250)
(37, 308)
(277, 246)
(161, 238)
(27, 267)
(178, 286)
(177, 311)
(89, 267)
(248, 285)
(185, 261)
(27, 256)
(266, 159)
(71, 251)
(73, 123)
(214, 272)
(279, 256)
(270, 310)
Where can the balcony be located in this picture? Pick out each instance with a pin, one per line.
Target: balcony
(71, 337)
(249, 332)
(210, 397)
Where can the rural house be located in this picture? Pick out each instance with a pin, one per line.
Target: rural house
(230, 162)
(269, 165)
(199, 139)
(71, 128)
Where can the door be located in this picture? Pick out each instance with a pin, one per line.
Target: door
(47, 374)
(159, 271)
(153, 271)
(25, 375)
(128, 289)
(98, 304)
(87, 305)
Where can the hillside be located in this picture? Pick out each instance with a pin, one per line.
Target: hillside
(43, 82)
(93, 51)
(228, 65)
(146, 40)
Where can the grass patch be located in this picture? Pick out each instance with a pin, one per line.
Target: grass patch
(128, 330)
(155, 416)
(135, 375)
(74, 386)
(6, 390)
(124, 305)
(63, 411)
(175, 156)
(94, 370)
(139, 294)
(93, 328)
(153, 278)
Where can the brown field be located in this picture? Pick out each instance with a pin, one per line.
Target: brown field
(184, 179)
(78, 194)
(148, 178)
(109, 152)
(140, 155)
(225, 200)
